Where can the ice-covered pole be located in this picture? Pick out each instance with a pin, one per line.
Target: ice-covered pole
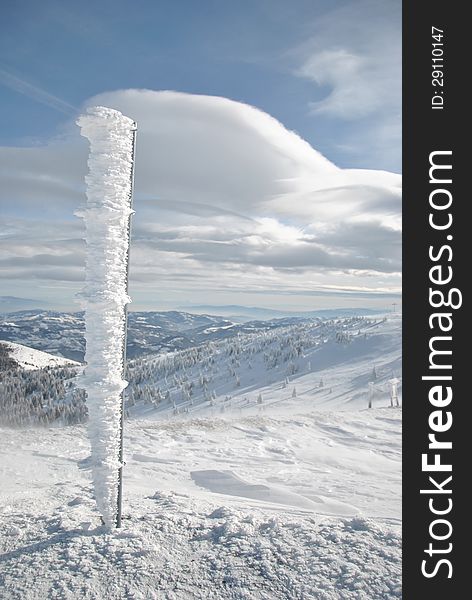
(107, 217)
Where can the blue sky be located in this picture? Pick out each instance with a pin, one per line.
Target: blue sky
(329, 71)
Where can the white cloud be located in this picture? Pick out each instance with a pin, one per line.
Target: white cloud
(353, 57)
(227, 201)
(346, 75)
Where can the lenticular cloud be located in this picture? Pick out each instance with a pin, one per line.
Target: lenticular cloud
(107, 216)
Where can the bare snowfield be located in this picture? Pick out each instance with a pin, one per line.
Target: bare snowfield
(296, 506)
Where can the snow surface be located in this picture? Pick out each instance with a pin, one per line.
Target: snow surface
(106, 216)
(298, 506)
(31, 359)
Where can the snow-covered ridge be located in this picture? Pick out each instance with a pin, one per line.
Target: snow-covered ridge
(30, 359)
(323, 364)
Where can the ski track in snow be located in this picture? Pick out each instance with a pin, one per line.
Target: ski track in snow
(270, 506)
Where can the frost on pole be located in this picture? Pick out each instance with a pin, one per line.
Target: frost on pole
(107, 216)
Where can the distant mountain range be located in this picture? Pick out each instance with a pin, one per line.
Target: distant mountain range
(236, 311)
(13, 303)
(62, 333)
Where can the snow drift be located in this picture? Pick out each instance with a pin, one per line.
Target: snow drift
(107, 217)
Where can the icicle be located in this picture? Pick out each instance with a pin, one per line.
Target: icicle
(107, 220)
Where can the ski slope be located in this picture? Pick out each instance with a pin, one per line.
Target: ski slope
(253, 492)
(321, 364)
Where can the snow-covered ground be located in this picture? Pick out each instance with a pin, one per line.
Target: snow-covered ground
(300, 506)
(290, 497)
